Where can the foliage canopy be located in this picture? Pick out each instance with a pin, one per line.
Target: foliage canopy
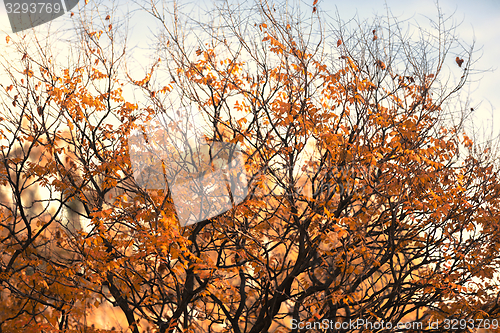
(366, 197)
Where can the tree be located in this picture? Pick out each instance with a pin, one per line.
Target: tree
(366, 198)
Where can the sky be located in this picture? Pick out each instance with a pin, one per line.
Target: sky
(479, 22)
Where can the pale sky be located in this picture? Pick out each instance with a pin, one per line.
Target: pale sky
(480, 20)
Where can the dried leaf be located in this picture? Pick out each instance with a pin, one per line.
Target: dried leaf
(380, 64)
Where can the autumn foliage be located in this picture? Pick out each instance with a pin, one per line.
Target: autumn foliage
(367, 199)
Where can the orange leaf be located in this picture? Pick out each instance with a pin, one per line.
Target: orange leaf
(380, 64)
(339, 42)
